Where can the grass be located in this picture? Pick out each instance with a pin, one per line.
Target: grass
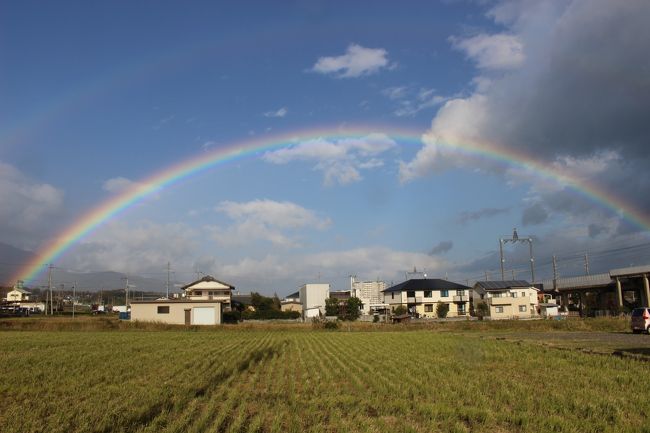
(265, 379)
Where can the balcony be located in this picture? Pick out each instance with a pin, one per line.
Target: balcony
(461, 298)
(415, 300)
(500, 301)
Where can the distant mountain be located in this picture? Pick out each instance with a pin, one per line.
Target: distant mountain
(11, 258)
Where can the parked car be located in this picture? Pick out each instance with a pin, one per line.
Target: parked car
(641, 320)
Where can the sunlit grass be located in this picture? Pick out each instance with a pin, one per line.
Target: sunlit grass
(293, 381)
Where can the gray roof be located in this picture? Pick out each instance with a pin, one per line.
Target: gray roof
(502, 285)
(207, 278)
(425, 284)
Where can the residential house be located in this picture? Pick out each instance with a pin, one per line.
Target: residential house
(514, 299)
(203, 303)
(18, 294)
(291, 303)
(421, 297)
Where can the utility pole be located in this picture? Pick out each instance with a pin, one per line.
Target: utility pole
(126, 291)
(586, 263)
(514, 239)
(74, 295)
(486, 276)
(554, 273)
(513, 275)
(168, 280)
(49, 285)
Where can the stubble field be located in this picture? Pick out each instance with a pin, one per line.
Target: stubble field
(265, 380)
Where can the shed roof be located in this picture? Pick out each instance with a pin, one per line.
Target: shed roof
(425, 284)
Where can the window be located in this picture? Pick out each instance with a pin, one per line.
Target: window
(392, 295)
(498, 309)
(428, 308)
(514, 294)
(522, 308)
(482, 296)
(523, 294)
(163, 310)
(427, 293)
(198, 293)
(444, 293)
(460, 292)
(410, 294)
(461, 308)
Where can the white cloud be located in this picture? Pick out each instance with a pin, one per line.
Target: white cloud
(357, 61)
(370, 261)
(27, 207)
(496, 52)
(339, 160)
(265, 220)
(544, 89)
(281, 112)
(135, 248)
(395, 93)
(411, 101)
(118, 184)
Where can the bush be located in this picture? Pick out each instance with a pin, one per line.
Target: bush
(482, 309)
(399, 310)
(441, 310)
(269, 315)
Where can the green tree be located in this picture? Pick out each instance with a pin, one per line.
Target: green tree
(399, 310)
(332, 307)
(482, 309)
(352, 309)
(442, 309)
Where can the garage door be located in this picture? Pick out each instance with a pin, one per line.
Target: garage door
(203, 316)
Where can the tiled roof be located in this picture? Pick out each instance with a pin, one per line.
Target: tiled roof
(425, 284)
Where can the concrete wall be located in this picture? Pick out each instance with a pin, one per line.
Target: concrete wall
(313, 295)
(147, 311)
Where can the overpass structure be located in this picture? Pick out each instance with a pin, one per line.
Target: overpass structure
(610, 291)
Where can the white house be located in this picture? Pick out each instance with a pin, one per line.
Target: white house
(515, 299)
(18, 294)
(203, 303)
(421, 297)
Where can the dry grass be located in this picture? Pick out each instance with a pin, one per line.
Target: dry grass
(253, 380)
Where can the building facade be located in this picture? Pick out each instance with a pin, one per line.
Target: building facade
(370, 294)
(203, 303)
(421, 297)
(312, 297)
(515, 299)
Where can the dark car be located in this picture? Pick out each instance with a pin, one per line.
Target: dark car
(641, 320)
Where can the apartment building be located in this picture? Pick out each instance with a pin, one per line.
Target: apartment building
(421, 297)
(515, 299)
(370, 294)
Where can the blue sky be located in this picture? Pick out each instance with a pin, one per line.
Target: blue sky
(95, 96)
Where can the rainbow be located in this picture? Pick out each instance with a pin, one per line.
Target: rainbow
(115, 205)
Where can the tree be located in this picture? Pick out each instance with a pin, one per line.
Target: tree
(331, 307)
(482, 309)
(441, 310)
(399, 310)
(352, 309)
